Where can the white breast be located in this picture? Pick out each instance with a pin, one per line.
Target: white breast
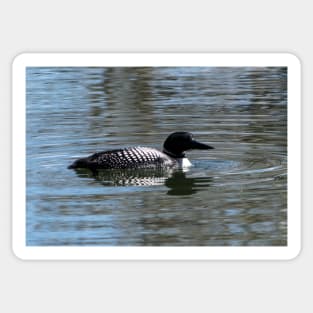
(184, 162)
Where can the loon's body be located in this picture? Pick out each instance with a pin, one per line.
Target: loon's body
(144, 157)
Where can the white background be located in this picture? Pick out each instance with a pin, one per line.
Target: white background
(155, 26)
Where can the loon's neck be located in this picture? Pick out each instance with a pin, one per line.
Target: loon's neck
(181, 159)
(183, 163)
(173, 155)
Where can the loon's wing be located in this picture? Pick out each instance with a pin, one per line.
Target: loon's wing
(128, 158)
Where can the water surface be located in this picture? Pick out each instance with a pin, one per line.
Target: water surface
(235, 195)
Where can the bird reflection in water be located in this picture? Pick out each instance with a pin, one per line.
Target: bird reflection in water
(179, 184)
(174, 179)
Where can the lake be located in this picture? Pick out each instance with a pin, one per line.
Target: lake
(234, 195)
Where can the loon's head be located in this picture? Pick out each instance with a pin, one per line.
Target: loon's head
(178, 142)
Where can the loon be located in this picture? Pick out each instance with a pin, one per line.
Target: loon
(142, 157)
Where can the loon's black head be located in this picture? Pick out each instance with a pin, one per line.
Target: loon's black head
(178, 142)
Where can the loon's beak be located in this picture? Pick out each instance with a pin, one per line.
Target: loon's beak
(201, 146)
